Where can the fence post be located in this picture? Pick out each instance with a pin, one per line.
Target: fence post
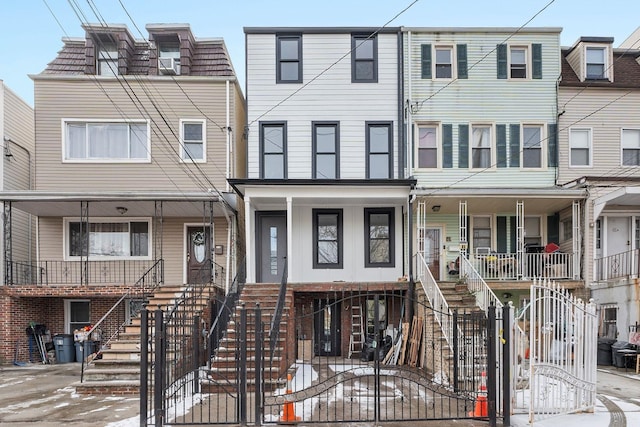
(242, 360)
(506, 364)
(456, 351)
(144, 365)
(196, 354)
(491, 365)
(376, 357)
(158, 384)
(258, 365)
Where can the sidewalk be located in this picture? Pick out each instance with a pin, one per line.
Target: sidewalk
(605, 413)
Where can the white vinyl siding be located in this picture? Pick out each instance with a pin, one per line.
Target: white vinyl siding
(331, 97)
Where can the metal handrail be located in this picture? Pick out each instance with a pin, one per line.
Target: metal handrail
(274, 331)
(157, 279)
(477, 286)
(621, 265)
(219, 325)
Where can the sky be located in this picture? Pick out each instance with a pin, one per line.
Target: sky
(32, 30)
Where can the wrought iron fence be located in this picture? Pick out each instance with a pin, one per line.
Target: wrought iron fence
(624, 264)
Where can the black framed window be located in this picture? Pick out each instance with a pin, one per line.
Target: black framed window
(379, 237)
(325, 150)
(273, 150)
(327, 238)
(379, 139)
(289, 58)
(364, 58)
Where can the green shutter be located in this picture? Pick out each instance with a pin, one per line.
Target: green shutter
(501, 51)
(536, 54)
(514, 146)
(463, 146)
(501, 234)
(426, 61)
(501, 145)
(462, 61)
(552, 145)
(447, 146)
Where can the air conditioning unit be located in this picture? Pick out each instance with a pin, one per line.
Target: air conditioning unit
(168, 66)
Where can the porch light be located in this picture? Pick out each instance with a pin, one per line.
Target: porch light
(122, 210)
(435, 208)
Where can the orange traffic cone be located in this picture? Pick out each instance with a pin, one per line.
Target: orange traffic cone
(289, 410)
(481, 408)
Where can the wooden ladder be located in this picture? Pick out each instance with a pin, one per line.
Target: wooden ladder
(357, 330)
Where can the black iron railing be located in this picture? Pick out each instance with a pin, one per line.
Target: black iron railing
(274, 330)
(44, 273)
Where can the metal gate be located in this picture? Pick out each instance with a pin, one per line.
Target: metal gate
(401, 371)
(554, 354)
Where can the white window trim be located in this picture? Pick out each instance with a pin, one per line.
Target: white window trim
(543, 146)
(66, 121)
(590, 165)
(528, 59)
(608, 58)
(67, 313)
(438, 127)
(454, 62)
(204, 141)
(492, 161)
(622, 148)
(65, 238)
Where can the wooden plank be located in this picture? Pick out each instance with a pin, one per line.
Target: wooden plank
(405, 338)
(416, 336)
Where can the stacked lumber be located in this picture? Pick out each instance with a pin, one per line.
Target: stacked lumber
(406, 349)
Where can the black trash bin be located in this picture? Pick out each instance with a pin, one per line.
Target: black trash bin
(618, 358)
(63, 343)
(605, 356)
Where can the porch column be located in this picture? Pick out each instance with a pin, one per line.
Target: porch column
(463, 239)
(289, 236)
(520, 255)
(577, 244)
(212, 250)
(84, 254)
(249, 248)
(8, 247)
(157, 230)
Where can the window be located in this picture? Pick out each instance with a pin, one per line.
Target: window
(378, 140)
(427, 146)
(481, 232)
(273, 149)
(444, 62)
(567, 230)
(481, 146)
(608, 321)
(98, 141)
(518, 63)
(532, 146)
(364, 59)
(596, 63)
(598, 234)
(325, 150)
(327, 238)
(289, 59)
(371, 315)
(107, 55)
(379, 238)
(169, 57)
(77, 314)
(192, 135)
(532, 234)
(631, 147)
(123, 239)
(580, 147)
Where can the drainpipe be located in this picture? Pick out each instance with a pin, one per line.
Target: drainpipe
(411, 292)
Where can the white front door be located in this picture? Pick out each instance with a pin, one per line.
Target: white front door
(618, 235)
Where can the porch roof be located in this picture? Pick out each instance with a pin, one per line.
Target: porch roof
(536, 200)
(107, 204)
(624, 196)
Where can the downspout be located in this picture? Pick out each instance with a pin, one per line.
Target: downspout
(227, 176)
(411, 292)
(402, 161)
(409, 118)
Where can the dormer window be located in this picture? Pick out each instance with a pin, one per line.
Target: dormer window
(107, 56)
(596, 63)
(169, 57)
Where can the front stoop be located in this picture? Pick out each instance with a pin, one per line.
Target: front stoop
(118, 371)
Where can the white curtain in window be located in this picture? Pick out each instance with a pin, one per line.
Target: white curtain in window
(76, 141)
(108, 140)
(109, 239)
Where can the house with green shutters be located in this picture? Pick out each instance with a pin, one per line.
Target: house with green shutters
(481, 126)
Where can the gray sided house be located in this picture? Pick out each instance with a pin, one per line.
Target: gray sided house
(135, 139)
(599, 141)
(481, 133)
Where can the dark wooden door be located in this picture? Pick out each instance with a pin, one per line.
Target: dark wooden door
(198, 255)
